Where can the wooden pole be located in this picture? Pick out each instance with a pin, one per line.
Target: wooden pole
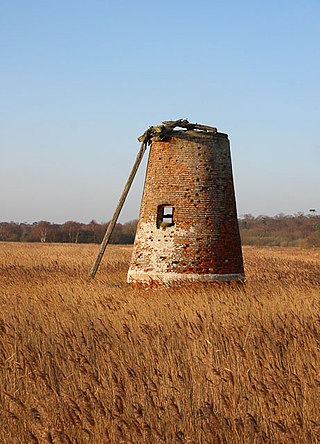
(115, 216)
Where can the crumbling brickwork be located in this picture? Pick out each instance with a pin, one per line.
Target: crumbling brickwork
(189, 174)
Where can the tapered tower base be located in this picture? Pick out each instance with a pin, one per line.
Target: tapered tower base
(169, 277)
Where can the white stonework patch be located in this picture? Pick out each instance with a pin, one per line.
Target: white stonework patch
(155, 243)
(166, 278)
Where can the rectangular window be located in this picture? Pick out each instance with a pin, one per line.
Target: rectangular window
(165, 216)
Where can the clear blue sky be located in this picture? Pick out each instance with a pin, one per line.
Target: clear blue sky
(81, 80)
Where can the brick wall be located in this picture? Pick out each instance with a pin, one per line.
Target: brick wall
(190, 171)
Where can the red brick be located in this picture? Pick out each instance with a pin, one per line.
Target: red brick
(192, 172)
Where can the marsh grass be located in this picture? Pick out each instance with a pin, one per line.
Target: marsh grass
(99, 362)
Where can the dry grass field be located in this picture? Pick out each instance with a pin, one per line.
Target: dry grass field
(99, 362)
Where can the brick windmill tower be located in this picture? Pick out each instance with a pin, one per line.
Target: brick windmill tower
(188, 228)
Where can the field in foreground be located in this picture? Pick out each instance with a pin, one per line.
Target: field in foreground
(99, 362)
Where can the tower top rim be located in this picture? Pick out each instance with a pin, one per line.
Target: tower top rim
(192, 135)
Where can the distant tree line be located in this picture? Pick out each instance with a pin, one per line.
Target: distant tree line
(298, 230)
(281, 230)
(69, 232)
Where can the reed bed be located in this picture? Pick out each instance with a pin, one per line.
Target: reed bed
(100, 362)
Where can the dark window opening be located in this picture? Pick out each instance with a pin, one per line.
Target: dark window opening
(165, 216)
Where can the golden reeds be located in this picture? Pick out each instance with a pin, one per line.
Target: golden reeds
(99, 362)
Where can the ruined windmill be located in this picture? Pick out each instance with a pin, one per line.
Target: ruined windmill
(188, 228)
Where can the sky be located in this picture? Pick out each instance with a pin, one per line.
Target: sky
(81, 80)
